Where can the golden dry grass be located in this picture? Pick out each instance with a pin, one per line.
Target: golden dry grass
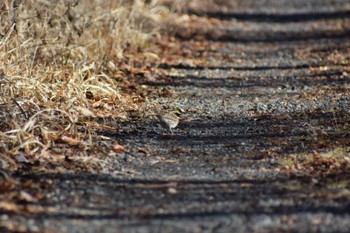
(60, 66)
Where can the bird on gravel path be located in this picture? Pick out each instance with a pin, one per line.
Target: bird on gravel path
(169, 120)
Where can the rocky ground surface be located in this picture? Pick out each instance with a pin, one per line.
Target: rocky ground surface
(263, 145)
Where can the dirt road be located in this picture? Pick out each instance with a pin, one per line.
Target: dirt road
(263, 145)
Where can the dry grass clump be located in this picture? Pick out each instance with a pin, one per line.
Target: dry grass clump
(61, 63)
(335, 161)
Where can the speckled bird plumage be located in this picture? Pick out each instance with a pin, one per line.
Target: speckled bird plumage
(169, 120)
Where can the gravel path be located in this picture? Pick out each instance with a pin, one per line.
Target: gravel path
(264, 102)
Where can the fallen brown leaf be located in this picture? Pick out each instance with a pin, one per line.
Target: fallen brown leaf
(71, 141)
(118, 148)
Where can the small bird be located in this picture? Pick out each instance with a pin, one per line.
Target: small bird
(169, 120)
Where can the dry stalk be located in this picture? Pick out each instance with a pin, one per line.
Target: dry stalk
(58, 62)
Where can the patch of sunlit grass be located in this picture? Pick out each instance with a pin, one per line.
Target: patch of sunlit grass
(61, 64)
(325, 162)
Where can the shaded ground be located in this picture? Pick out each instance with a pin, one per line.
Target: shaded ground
(264, 145)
